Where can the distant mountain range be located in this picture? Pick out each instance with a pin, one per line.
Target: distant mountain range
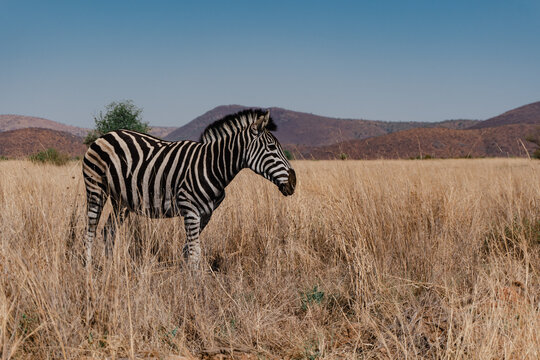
(504, 135)
(14, 122)
(527, 114)
(24, 135)
(501, 141)
(24, 142)
(304, 129)
(319, 137)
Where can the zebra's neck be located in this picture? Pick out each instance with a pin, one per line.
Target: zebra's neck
(226, 158)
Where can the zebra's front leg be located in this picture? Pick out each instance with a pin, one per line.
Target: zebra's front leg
(206, 216)
(192, 247)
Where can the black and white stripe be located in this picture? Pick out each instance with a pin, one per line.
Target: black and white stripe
(156, 178)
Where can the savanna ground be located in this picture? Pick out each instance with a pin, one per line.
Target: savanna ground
(368, 259)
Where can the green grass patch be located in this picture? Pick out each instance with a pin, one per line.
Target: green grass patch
(311, 297)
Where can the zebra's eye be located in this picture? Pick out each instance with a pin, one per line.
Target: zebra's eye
(272, 147)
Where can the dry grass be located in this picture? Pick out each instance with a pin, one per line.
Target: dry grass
(379, 259)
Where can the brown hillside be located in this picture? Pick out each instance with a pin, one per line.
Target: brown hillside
(14, 122)
(527, 114)
(161, 131)
(24, 142)
(501, 141)
(304, 129)
(312, 130)
(395, 126)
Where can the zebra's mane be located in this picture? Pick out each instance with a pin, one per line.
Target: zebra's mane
(234, 123)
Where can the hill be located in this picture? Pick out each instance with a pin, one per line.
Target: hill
(314, 136)
(500, 141)
(24, 142)
(161, 131)
(305, 129)
(395, 126)
(527, 114)
(14, 122)
(313, 130)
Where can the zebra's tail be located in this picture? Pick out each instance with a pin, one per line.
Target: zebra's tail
(95, 180)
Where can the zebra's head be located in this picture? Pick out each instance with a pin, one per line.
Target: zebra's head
(265, 155)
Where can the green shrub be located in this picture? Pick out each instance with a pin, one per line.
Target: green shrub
(2, 157)
(535, 139)
(421, 157)
(50, 156)
(118, 115)
(288, 154)
(343, 156)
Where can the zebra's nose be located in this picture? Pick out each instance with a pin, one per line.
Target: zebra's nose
(288, 187)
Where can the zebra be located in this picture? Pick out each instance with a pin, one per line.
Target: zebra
(161, 179)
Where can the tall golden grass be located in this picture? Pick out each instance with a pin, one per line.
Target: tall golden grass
(369, 259)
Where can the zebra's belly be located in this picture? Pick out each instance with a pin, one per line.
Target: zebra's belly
(156, 208)
(155, 213)
(158, 212)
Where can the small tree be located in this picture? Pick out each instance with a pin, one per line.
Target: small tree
(118, 115)
(288, 154)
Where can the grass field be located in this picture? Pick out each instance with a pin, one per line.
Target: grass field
(369, 259)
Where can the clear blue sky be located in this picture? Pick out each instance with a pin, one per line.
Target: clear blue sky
(387, 60)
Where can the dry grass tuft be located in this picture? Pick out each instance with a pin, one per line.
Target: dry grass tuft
(378, 259)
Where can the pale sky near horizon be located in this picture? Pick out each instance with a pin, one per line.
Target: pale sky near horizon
(378, 60)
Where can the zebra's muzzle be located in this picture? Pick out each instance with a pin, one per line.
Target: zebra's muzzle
(288, 188)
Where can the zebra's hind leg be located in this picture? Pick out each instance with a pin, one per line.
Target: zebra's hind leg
(94, 205)
(115, 219)
(192, 248)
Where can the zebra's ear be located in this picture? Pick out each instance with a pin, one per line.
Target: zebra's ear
(261, 121)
